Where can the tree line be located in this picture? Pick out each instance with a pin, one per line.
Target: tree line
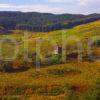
(43, 22)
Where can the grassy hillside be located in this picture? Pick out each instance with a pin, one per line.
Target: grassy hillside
(80, 33)
(73, 80)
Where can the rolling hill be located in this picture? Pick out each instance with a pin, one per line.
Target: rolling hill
(72, 80)
(72, 36)
(42, 22)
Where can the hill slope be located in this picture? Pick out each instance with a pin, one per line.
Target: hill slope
(34, 21)
(80, 33)
(57, 82)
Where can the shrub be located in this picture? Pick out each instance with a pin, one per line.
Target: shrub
(70, 93)
(51, 91)
(97, 43)
(93, 93)
(25, 90)
(56, 59)
(6, 66)
(57, 71)
(19, 91)
(20, 65)
(61, 72)
(10, 98)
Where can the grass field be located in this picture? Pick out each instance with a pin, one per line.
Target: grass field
(73, 80)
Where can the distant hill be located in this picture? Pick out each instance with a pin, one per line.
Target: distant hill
(41, 22)
(4, 31)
